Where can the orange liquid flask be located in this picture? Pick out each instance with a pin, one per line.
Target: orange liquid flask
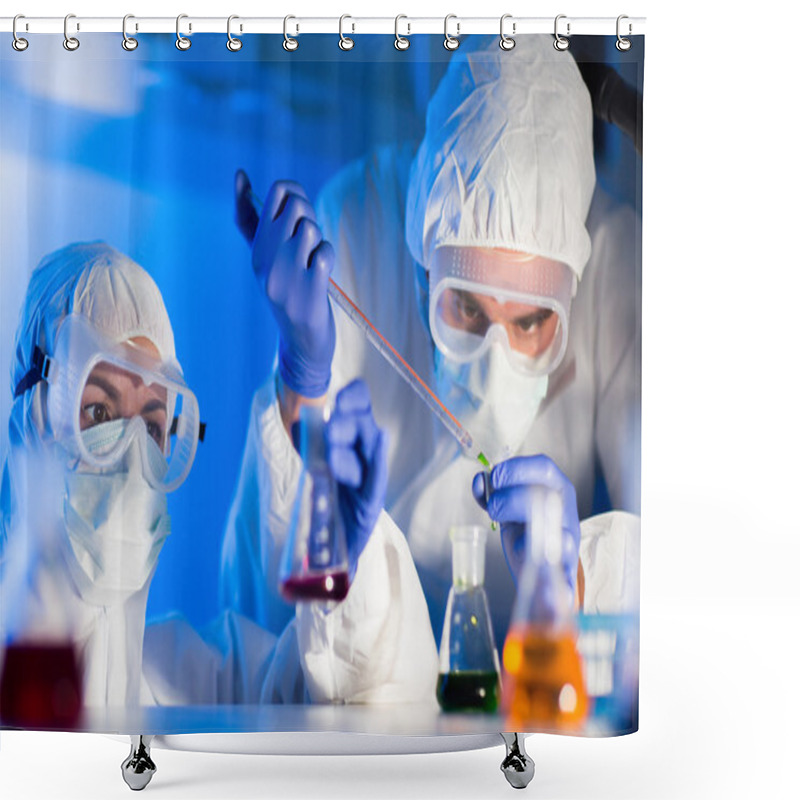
(543, 684)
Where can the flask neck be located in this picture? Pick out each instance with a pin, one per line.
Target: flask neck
(544, 530)
(469, 557)
(311, 439)
(543, 594)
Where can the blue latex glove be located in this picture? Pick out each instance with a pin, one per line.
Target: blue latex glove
(358, 458)
(293, 262)
(509, 501)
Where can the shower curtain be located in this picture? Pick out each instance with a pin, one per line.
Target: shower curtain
(132, 182)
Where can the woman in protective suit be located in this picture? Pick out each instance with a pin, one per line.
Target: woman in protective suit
(103, 427)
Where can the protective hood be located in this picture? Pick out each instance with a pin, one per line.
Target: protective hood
(507, 158)
(93, 280)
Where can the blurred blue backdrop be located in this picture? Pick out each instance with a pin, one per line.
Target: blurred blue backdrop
(140, 149)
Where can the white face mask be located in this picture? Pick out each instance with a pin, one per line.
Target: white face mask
(116, 522)
(495, 403)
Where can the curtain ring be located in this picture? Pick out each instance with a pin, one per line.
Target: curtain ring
(401, 42)
(70, 42)
(507, 42)
(181, 42)
(623, 44)
(128, 42)
(345, 42)
(19, 44)
(289, 44)
(233, 44)
(451, 42)
(560, 43)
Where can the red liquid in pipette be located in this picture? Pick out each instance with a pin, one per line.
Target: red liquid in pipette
(41, 687)
(328, 586)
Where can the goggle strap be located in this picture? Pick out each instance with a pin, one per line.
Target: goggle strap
(39, 371)
(201, 434)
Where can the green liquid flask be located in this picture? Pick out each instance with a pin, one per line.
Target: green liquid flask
(469, 668)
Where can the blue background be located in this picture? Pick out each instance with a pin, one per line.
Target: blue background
(150, 170)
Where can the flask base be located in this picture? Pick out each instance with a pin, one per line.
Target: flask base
(307, 588)
(41, 686)
(468, 691)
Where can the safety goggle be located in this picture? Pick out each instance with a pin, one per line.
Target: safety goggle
(91, 382)
(481, 297)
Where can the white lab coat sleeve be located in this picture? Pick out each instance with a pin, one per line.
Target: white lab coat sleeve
(259, 517)
(376, 646)
(609, 552)
(233, 660)
(616, 249)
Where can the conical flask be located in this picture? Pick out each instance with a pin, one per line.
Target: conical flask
(314, 562)
(469, 669)
(543, 683)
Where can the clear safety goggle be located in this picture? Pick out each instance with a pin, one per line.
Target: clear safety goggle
(480, 297)
(91, 382)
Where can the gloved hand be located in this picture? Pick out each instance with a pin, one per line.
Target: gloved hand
(509, 503)
(293, 263)
(358, 458)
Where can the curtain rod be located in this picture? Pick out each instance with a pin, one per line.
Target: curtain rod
(298, 25)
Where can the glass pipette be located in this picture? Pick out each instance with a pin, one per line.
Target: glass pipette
(401, 366)
(395, 360)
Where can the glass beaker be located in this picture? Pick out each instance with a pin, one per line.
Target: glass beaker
(41, 674)
(544, 684)
(314, 562)
(469, 669)
(41, 685)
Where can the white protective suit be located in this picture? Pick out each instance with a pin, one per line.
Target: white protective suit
(486, 176)
(316, 655)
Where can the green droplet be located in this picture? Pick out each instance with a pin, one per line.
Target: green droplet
(485, 461)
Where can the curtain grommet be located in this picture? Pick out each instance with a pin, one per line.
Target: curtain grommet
(345, 42)
(70, 43)
(181, 42)
(18, 43)
(129, 43)
(451, 42)
(561, 43)
(401, 42)
(233, 44)
(507, 42)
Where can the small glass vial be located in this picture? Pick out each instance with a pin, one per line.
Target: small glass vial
(314, 563)
(544, 685)
(469, 668)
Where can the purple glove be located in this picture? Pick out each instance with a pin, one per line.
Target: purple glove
(509, 501)
(358, 458)
(294, 263)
